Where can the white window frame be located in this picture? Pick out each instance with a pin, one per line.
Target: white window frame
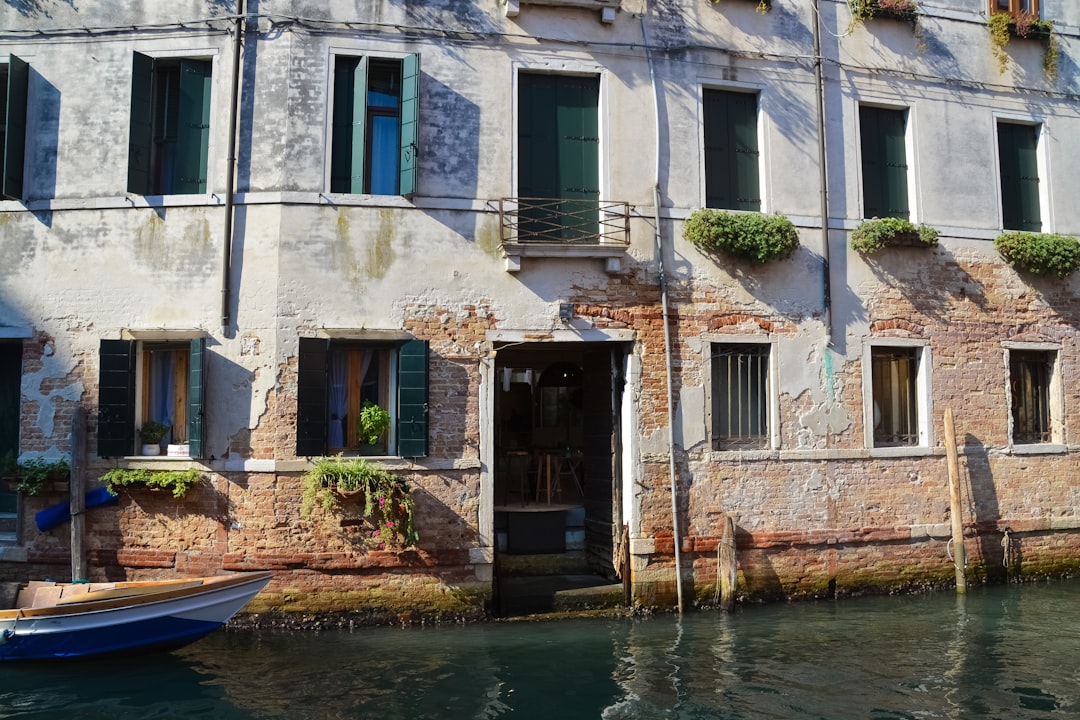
(760, 92)
(923, 400)
(910, 154)
(1042, 158)
(772, 400)
(1056, 392)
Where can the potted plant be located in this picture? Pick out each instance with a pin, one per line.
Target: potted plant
(177, 482)
(372, 424)
(751, 236)
(151, 434)
(1003, 26)
(387, 506)
(1039, 253)
(906, 10)
(877, 233)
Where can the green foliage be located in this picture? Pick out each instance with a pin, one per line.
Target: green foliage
(387, 503)
(870, 9)
(1040, 253)
(872, 235)
(178, 482)
(763, 6)
(1003, 26)
(373, 422)
(35, 473)
(152, 433)
(752, 236)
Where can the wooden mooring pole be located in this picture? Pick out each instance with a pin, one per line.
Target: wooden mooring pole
(955, 511)
(727, 567)
(78, 495)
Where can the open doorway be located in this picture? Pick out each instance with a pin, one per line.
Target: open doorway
(556, 480)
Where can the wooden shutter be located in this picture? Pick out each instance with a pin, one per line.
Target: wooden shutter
(311, 397)
(141, 124)
(578, 156)
(1018, 158)
(18, 83)
(196, 410)
(349, 124)
(412, 430)
(537, 137)
(193, 126)
(884, 162)
(732, 174)
(410, 123)
(116, 398)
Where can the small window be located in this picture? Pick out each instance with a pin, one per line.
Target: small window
(1018, 157)
(140, 382)
(884, 162)
(731, 150)
(169, 140)
(895, 371)
(14, 84)
(740, 396)
(339, 378)
(1031, 374)
(374, 134)
(1016, 7)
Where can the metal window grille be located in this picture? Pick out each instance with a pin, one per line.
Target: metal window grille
(1029, 379)
(740, 374)
(896, 419)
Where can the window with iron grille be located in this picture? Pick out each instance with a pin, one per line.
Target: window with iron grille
(894, 372)
(740, 396)
(1030, 377)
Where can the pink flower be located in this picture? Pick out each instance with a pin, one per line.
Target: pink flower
(390, 523)
(382, 502)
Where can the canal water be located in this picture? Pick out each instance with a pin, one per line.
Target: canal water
(1003, 652)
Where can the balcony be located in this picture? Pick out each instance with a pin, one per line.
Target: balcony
(564, 228)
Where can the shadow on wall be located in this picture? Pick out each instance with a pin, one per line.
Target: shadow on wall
(984, 505)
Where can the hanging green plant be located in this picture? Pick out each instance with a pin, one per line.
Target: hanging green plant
(388, 506)
(751, 236)
(33, 475)
(763, 6)
(178, 482)
(872, 235)
(906, 10)
(1039, 253)
(1004, 26)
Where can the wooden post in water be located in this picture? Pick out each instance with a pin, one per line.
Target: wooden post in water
(727, 567)
(78, 495)
(959, 558)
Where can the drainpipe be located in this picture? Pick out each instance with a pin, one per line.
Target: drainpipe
(226, 260)
(823, 179)
(667, 330)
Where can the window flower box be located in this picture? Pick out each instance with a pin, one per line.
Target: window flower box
(873, 235)
(1039, 253)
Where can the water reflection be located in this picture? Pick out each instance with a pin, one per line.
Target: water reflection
(1002, 652)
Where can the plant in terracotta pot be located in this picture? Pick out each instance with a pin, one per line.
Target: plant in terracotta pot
(150, 435)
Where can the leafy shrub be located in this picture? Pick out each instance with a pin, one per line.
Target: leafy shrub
(35, 473)
(1039, 253)
(752, 236)
(869, 9)
(178, 482)
(872, 235)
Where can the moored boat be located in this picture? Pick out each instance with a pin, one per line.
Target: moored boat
(66, 620)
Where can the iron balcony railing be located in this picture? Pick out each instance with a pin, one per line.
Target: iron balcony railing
(564, 221)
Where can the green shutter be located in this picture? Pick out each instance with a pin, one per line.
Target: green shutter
(349, 122)
(18, 83)
(10, 392)
(116, 398)
(193, 127)
(579, 156)
(884, 162)
(141, 124)
(538, 143)
(311, 397)
(1018, 158)
(732, 174)
(196, 410)
(410, 123)
(412, 430)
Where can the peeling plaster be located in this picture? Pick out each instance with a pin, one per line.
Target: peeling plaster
(52, 367)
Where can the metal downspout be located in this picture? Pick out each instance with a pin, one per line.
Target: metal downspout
(823, 179)
(667, 330)
(226, 260)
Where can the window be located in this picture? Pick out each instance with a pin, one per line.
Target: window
(731, 151)
(896, 410)
(884, 162)
(1031, 385)
(141, 381)
(559, 156)
(335, 380)
(14, 83)
(1018, 147)
(375, 122)
(1016, 7)
(10, 381)
(169, 138)
(740, 396)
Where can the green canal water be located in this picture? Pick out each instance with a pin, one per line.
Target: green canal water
(1002, 652)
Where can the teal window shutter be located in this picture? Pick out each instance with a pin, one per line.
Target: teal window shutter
(10, 392)
(116, 398)
(410, 123)
(1018, 160)
(884, 162)
(349, 125)
(193, 126)
(196, 410)
(579, 155)
(538, 137)
(732, 156)
(141, 124)
(312, 399)
(412, 430)
(18, 83)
